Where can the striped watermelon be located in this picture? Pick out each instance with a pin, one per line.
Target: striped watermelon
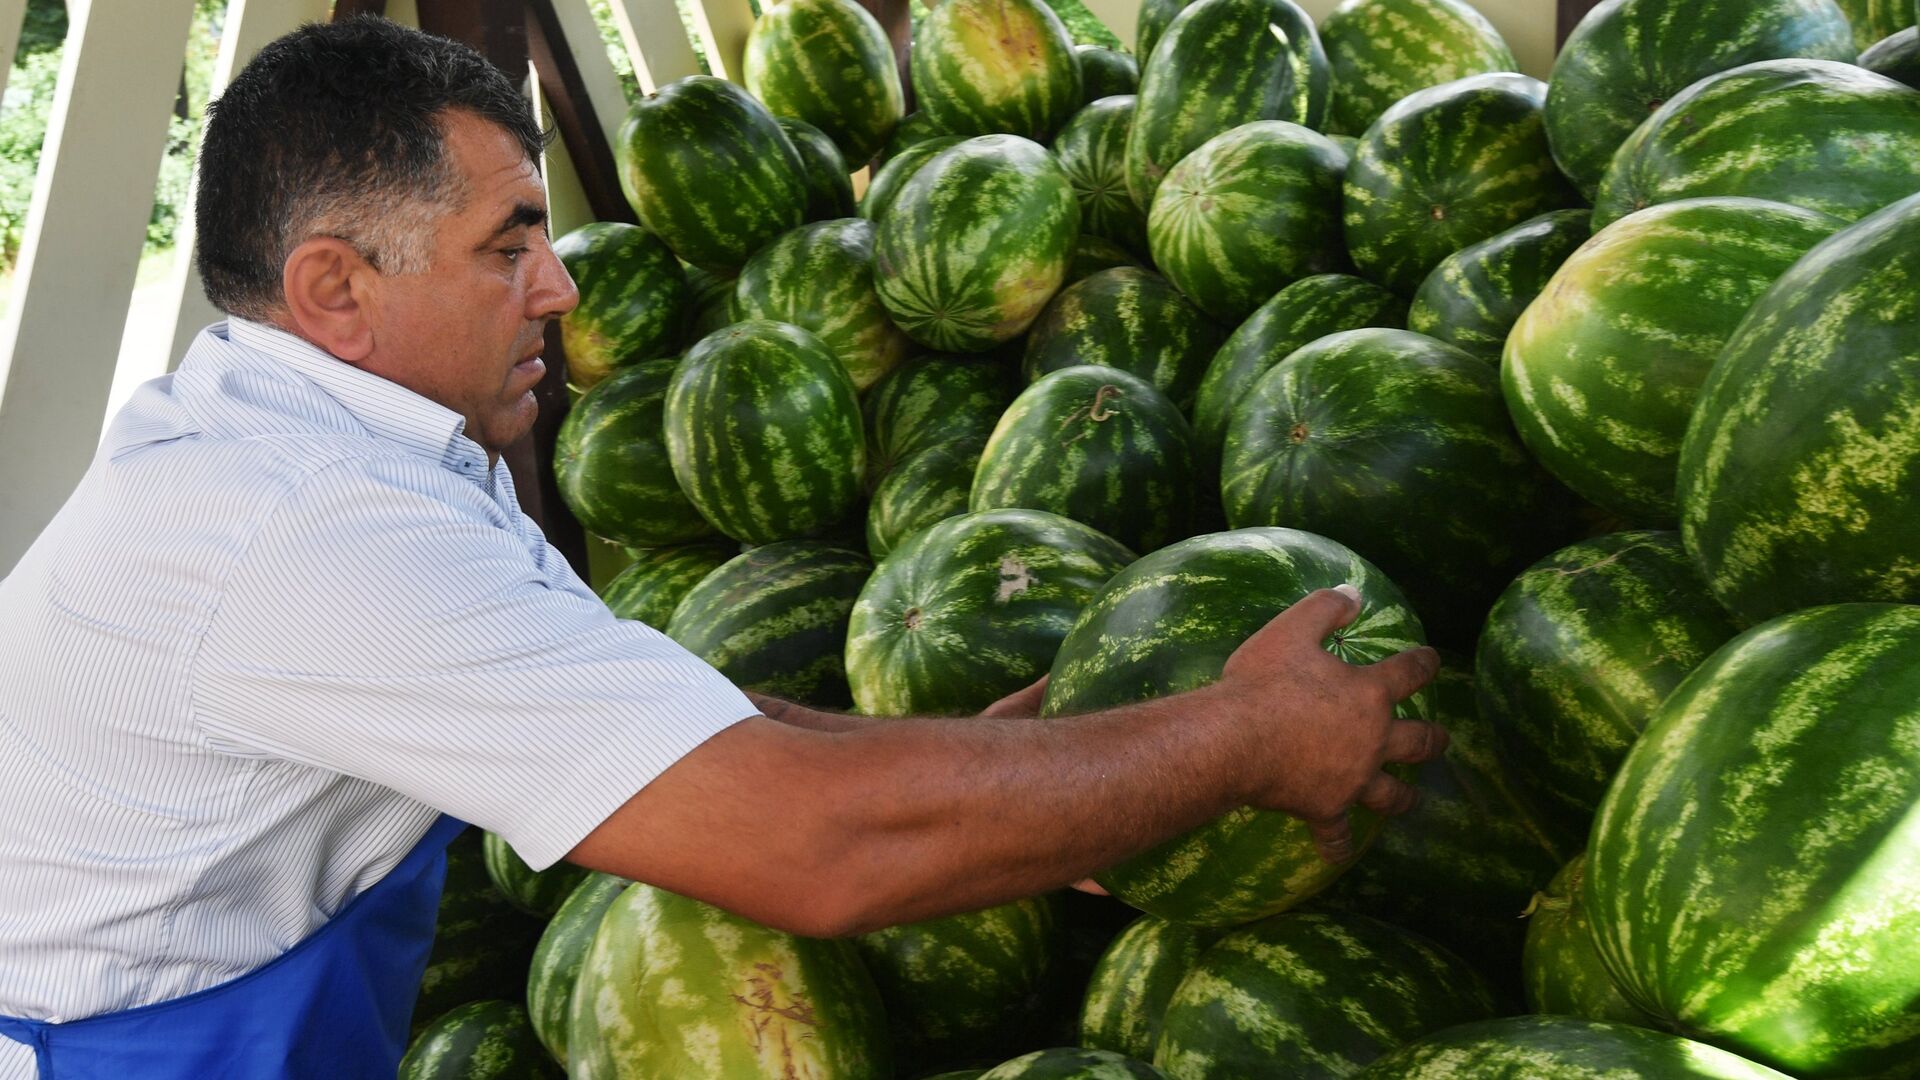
(709, 171)
(1475, 295)
(1561, 966)
(1092, 254)
(1578, 653)
(1097, 445)
(562, 950)
(1398, 446)
(890, 178)
(633, 299)
(1217, 67)
(918, 127)
(1092, 151)
(934, 399)
(1601, 373)
(1176, 616)
(1312, 996)
(822, 169)
(1728, 134)
(1445, 167)
(537, 892)
(710, 302)
(1134, 980)
(1304, 311)
(611, 463)
(829, 63)
(983, 67)
(925, 487)
(1875, 19)
(1154, 18)
(1561, 1048)
(1627, 58)
(971, 610)
(820, 277)
(1751, 875)
(1383, 50)
(1105, 72)
(775, 620)
(1248, 213)
(977, 242)
(1072, 1063)
(481, 1040)
(763, 430)
(481, 942)
(963, 986)
(651, 587)
(1896, 57)
(1817, 392)
(1130, 319)
(676, 988)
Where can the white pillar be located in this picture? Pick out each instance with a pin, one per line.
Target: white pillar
(657, 41)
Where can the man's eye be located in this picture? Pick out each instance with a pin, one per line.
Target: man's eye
(513, 254)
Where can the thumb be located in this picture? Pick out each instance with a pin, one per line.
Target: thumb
(1023, 702)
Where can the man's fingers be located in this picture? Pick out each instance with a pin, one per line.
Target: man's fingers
(1334, 838)
(1410, 742)
(1388, 795)
(1319, 613)
(1407, 672)
(1022, 702)
(1088, 885)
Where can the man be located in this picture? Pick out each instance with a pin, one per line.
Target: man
(291, 632)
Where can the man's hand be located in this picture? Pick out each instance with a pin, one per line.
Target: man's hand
(1023, 702)
(1323, 727)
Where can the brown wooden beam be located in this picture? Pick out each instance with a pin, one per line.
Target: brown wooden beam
(1569, 15)
(343, 9)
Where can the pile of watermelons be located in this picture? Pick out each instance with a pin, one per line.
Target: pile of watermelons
(1609, 386)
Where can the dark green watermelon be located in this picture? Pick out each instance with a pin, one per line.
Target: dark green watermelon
(1475, 295)
(612, 466)
(972, 609)
(934, 399)
(481, 1040)
(890, 178)
(1311, 997)
(1130, 319)
(1874, 19)
(633, 299)
(1092, 150)
(917, 127)
(820, 277)
(1097, 445)
(710, 302)
(537, 892)
(481, 942)
(651, 586)
(1896, 57)
(1176, 616)
(1561, 1048)
(982, 67)
(928, 486)
(1073, 1063)
(1751, 871)
(1105, 72)
(1154, 17)
(829, 186)
(1091, 254)
(829, 63)
(1561, 967)
(1134, 980)
(557, 959)
(1383, 50)
(1446, 167)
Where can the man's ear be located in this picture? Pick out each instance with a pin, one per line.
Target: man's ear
(330, 298)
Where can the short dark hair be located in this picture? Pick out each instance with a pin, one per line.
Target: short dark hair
(337, 129)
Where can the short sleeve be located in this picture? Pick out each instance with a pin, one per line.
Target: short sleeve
(387, 622)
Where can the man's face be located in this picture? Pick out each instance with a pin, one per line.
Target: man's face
(468, 332)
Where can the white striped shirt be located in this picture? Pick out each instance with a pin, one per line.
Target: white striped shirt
(288, 617)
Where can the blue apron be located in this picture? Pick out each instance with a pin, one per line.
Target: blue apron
(336, 1005)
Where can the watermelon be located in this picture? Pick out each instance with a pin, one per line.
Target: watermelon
(1462, 866)
(1445, 167)
(820, 277)
(934, 399)
(1134, 980)
(1154, 17)
(890, 178)
(977, 242)
(481, 1040)
(611, 464)
(672, 987)
(1627, 58)
(972, 609)
(651, 586)
(763, 430)
(1092, 254)
(1072, 1063)
(918, 127)
(1248, 213)
(1799, 479)
(1475, 295)
(930, 485)
(481, 942)
(1580, 650)
(537, 892)
(1399, 446)
(1897, 57)
(633, 299)
(774, 620)
(829, 188)
(1751, 870)
(709, 171)
(957, 987)
(1089, 924)
(1875, 19)
(1130, 319)
(1310, 996)
(1176, 616)
(1383, 50)
(1561, 967)
(1092, 151)
(1105, 72)
(1217, 67)
(710, 303)
(982, 67)
(829, 63)
(1560, 1048)
(1097, 445)
(557, 959)
(1601, 373)
(1746, 132)
(1304, 311)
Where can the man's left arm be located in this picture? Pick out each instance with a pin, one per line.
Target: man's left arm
(1022, 702)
